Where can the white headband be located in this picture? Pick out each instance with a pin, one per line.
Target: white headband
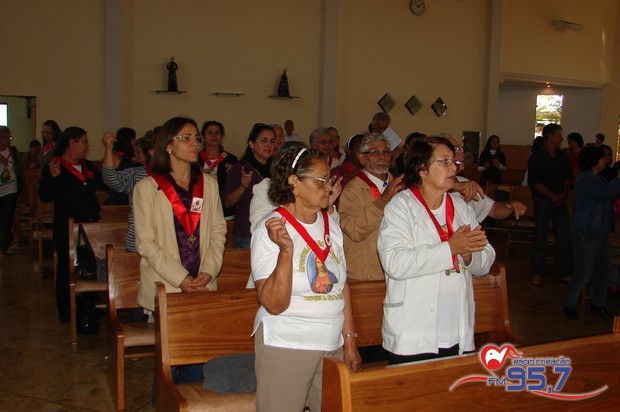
(298, 156)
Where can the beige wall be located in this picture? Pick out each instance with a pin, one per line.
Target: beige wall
(387, 49)
(531, 45)
(56, 53)
(53, 50)
(224, 46)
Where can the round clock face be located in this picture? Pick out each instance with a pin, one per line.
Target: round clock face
(418, 7)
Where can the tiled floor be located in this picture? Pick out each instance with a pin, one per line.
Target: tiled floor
(39, 372)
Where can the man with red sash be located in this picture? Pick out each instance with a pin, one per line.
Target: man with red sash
(361, 208)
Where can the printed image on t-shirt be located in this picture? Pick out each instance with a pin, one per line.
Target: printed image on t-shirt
(320, 276)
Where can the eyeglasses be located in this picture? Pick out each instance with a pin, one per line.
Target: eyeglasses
(377, 153)
(187, 136)
(213, 133)
(7, 137)
(328, 181)
(448, 162)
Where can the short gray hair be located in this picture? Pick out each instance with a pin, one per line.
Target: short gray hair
(316, 132)
(373, 137)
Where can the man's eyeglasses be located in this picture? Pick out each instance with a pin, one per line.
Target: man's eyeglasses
(329, 181)
(187, 136)
(377, 153)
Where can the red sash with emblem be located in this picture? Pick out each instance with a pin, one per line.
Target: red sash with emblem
(85, 174)
(212, 164)
(320, 253)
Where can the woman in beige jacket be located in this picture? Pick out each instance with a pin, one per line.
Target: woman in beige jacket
(180, 226)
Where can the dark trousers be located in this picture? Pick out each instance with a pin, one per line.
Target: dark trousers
(61, 243)
(395, 359)
(8, 203)
(592, 255)
(545, 212)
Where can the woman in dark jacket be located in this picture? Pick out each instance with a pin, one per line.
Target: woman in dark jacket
(69, 180)
(492, 162)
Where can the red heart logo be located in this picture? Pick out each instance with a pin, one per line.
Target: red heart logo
(493, 357)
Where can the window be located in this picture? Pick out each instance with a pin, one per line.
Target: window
(548, 110)
(4, 110)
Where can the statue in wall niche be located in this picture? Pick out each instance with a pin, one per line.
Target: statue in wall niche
(172, 75)
(283, 90)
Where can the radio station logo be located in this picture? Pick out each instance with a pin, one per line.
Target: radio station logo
(526, 374)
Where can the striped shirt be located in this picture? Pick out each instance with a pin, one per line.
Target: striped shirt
(123, 181)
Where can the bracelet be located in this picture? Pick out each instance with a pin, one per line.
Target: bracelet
(350, 335)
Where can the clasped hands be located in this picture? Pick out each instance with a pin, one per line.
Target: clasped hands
(465, 241)
(197, 284)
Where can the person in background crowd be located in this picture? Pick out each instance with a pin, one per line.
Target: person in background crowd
(549, 174)
(215, 160)
(124, 157)
(575, 144)
(305, 309)
(50, 131)
(123, 181)
(320, 140)
(253, 167)
(492, 162)
(537, 144)
(32, 158)
(380, 122)
(593, 221)
(280, 137)
(430, 244)
(12, 182)
(599, 139)
(69, 180)
(289, 128)
(609, 173)
(337, 154)
(401, 161)
(351, 165)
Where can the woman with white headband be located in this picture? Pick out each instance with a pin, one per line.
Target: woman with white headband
(299, 268)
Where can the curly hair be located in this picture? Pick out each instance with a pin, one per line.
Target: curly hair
(280, 191)
(420, 156)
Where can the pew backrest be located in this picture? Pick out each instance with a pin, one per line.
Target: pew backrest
(236, 269)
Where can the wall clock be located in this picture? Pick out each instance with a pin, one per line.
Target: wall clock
(418, 7)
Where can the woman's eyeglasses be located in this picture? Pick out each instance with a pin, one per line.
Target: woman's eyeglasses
(448, 162)
(329, 181)
(187, 136)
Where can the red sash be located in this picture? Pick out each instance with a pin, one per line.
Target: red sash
(373, 187)
(348, 167)
(5, 160)
(86, 173)
(449, 220)
(190, 220)
(48, 147)
(212, 164)
(322, 254)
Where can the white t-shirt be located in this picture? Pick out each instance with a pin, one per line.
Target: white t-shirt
(449, 300)
(8, 180)
(314, 318)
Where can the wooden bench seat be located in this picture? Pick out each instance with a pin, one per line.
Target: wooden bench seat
(127, 340)
(490, 293)
(235, 270)
(192, 328)
(99, 234)
(195, 327)
(425, 385)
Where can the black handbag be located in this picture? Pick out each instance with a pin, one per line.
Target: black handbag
(86, 260)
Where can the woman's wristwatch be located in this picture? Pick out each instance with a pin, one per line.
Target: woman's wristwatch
(350, 335)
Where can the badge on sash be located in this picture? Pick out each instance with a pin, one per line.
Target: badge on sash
(196, 205)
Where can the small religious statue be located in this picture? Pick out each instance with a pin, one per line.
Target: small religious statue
(283, 86)
(172, 75)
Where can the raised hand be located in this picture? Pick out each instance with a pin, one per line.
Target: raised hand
(246, 178)
(395, 186)
(54, 167)
(276, 229)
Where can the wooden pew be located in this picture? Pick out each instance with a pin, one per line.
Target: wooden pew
(490, 293)
(425, 385)
(193, 328)
(126, 340)
(235, 269)
(114, 213)
(99, 234)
